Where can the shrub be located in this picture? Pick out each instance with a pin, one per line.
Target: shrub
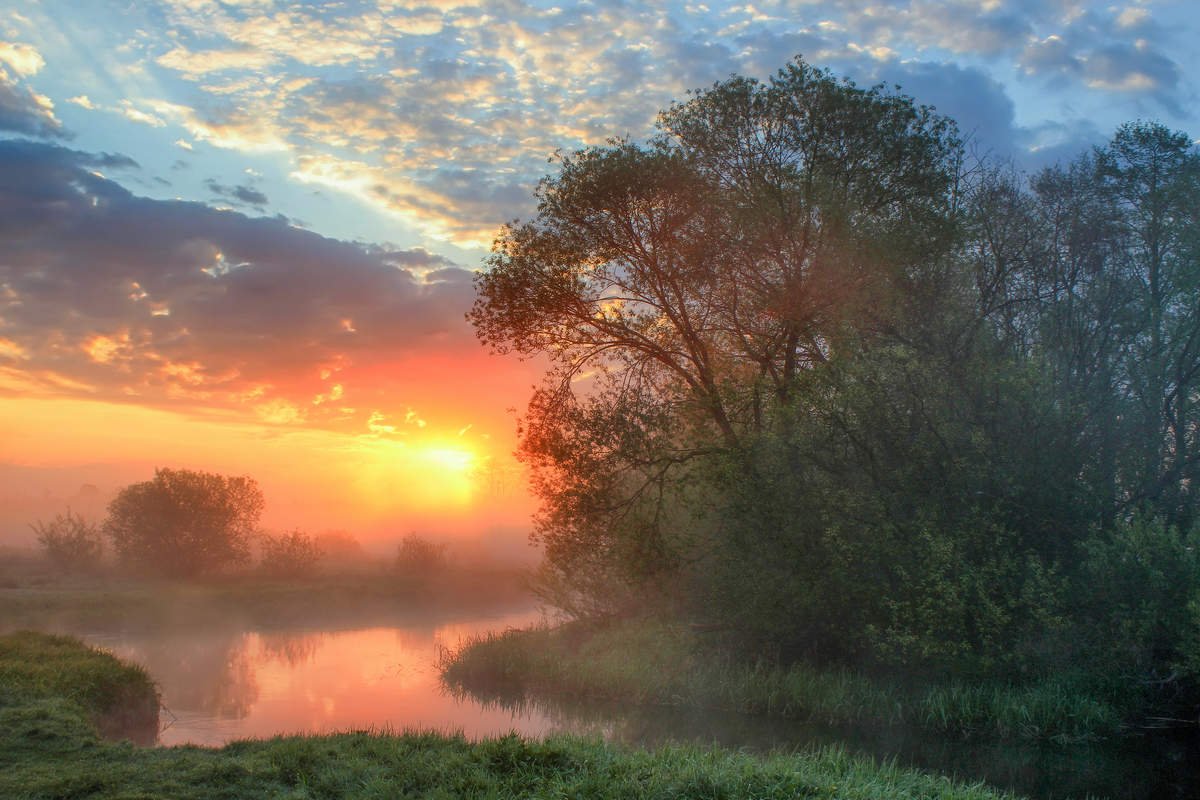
(72, 543)
(289, 555)
(1139, 596)
(416, 555)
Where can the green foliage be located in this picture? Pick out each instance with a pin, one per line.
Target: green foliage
(72, 543)
(854, 400)
(184, 522)
(1139, 590)
(289, 555)
(41, 670)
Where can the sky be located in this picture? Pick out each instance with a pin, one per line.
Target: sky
(240, 236)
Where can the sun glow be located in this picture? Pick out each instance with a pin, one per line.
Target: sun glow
(418, 476)
(453, 459)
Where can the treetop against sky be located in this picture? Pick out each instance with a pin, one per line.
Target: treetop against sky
(264, 217)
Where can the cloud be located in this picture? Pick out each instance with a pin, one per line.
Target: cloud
(22, 59)
(195, 65)
(177, 303)
(443, 113)
(978, 103)
(242, 195)
(1118, 52)
(23, 110)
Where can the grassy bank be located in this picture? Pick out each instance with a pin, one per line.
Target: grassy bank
(102, 603)
(49, 748)
(56, 683)
(655, 663)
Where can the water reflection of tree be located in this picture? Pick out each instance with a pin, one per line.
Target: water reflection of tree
(291, 648)
(210, 672)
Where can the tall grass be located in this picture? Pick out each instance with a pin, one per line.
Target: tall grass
(655, 663)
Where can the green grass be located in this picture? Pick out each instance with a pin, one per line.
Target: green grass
(367, 765)
(42, 675)
(656, 663)
(49, 749)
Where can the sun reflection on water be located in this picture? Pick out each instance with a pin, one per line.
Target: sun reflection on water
(218, 686)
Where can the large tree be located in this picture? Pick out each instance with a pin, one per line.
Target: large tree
(812, 378)
(685, 290)
(184, 523)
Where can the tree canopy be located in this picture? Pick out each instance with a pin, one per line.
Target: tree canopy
(814, 376)
(184, 522)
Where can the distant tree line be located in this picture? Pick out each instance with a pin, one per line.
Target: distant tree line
(189, 523)
(819, 379)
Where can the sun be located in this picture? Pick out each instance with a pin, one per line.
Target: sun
(452, 459)
(423, 477)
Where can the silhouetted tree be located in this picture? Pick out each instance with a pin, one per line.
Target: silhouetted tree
(813, 378)
(290, 555)
(71, 542)
(184, 522)
(416, 555)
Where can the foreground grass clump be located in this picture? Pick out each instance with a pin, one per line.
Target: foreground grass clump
(48, 749)
(657, 663)
(67, 684)
(365, 765)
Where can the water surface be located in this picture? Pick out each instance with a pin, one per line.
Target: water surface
(222, 685)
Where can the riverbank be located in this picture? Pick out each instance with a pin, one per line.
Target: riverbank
(55, 688)
(647, 662)
(68, 604)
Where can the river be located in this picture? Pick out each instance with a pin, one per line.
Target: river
(221, 685)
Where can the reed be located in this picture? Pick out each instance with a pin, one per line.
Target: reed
(657, 663)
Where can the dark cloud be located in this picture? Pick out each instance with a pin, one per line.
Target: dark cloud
(1058, 142)
(1105, 53)
(978, 103)
(167, 301)
(418, 258)
(767, 50)
(241, 195)
(20, 112)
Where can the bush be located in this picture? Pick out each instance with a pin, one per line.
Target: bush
(289, 555)
(72, 543)
(416, 555)
(184, 523)
(1139, 596)
(340, 549)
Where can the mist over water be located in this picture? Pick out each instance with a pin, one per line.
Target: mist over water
(221, 685)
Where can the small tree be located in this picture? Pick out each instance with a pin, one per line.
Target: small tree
(184, 522)
(416, 554)
(340, 549)
(72, 543)
(290, 555)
